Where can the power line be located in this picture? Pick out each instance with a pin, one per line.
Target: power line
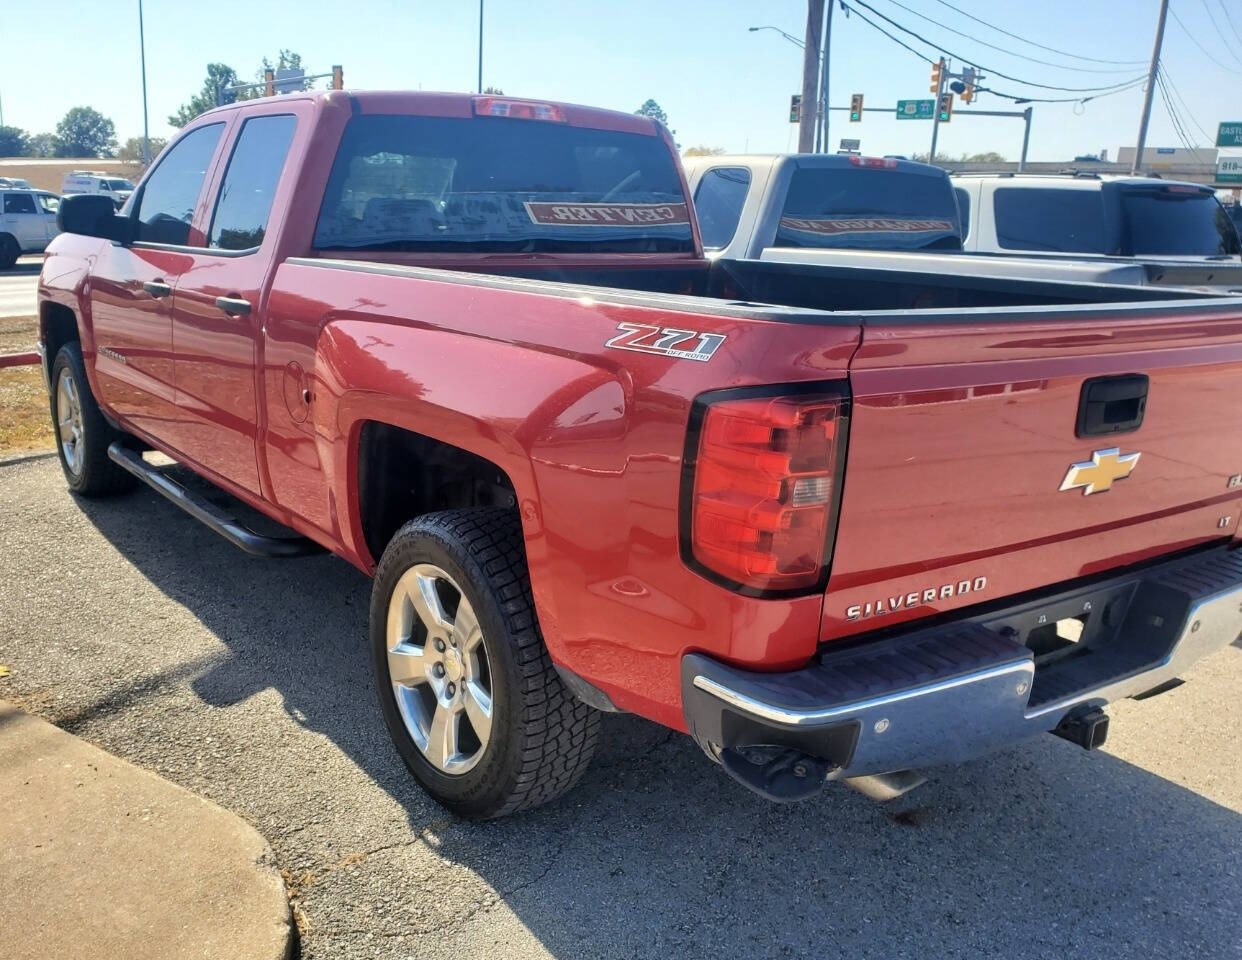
(1182, 100)
(1011, 53)
(991, 70)
(1173, 118)
(1063, 53)
(1229, 19)
(1220, 33)
(1128, 85)
(1186, 30)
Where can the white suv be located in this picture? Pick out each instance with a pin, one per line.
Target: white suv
(27, 223)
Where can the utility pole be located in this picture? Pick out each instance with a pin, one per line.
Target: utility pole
(142, 48)
(823, 80)
(940, 73)
(810, 76)
(1151, 87)
(480, 46)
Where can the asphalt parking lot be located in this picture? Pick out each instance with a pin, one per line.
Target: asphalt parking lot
(247, 681)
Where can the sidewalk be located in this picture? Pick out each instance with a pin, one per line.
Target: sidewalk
(99, 858)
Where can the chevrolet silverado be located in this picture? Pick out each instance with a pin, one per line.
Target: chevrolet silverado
(834, 523)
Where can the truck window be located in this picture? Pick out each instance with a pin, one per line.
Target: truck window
(718, 201)
(1175, 221)
(245, 199)
(495, 184)
(1060, 221)
(171, 192)
(19, 203)
(963, 209)
(49, 202)
(870, 209)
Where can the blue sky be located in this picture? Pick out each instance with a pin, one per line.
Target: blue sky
(720, 84)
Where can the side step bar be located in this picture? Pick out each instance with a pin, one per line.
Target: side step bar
(209, 514)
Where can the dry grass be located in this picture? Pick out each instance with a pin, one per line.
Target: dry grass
(48, 176)
(18, 334)
(25, 424)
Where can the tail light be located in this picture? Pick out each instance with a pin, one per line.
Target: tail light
(886, 163)
(517, 109)
(762, 486)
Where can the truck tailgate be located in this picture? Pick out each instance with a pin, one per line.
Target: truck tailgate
(960, 484)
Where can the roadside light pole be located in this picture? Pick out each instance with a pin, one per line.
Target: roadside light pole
(142, 50)
(1151, 88)
(810, 75)
(480, 46)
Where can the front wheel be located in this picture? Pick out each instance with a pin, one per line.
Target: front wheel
(468, 692)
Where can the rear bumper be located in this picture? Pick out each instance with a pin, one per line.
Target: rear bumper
(957, 690)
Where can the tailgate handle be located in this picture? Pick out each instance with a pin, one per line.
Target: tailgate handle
(1110, 405)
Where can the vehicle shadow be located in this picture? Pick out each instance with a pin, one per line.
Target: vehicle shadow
(1048, 852)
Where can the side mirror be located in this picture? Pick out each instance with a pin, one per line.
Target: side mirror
(93, 215)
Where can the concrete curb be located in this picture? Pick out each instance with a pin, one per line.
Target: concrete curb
(96, 851)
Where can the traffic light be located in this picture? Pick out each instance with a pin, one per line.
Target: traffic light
(968, 78)
(795, 108)
(936, 73)
(946, 107)
(856, 108)
(338, 78)
(269, 82)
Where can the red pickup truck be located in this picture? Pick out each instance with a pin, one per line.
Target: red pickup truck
(834, 523)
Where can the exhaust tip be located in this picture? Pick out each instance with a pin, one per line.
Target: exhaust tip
(883, 787)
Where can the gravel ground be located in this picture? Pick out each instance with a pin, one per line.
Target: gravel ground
(247, 681)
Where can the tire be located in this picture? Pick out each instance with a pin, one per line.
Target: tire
(82, 434)
(9, 251)
(538, 738)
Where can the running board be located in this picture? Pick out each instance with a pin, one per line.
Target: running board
(208, 513)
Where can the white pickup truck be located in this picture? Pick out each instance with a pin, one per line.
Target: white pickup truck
(883, 213)
(1177, 230)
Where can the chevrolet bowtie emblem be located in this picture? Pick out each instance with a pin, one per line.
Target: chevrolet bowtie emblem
(1097, 474)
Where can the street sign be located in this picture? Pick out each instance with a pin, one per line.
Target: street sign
(916, 109)
(850, 144)
(1229, 134)
(1229, 170)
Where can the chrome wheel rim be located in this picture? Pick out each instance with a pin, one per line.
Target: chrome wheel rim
(69, 420)
(439, 669)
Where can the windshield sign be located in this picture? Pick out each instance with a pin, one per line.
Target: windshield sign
(869, 209)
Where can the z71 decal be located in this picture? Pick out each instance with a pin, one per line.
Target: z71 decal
(667, 341)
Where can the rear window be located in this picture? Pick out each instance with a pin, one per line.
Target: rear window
(870, 209)
(1167, 221)
(1057, 221)
(494, 184)
(718, 202)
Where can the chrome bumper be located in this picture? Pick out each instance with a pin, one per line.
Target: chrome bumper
(41, 350)
(956, 691)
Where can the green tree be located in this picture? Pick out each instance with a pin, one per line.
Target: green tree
(131, 150)
(13, 142)
(285, 60)
(493, 91)
(219, 76)
(704, 151)
(990, 156)
(85, 132)
(653, 110)
(41, 145)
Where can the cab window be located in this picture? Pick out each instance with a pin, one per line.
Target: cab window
(19, 203)
(718, 201)
(171, 193)
(245, 200)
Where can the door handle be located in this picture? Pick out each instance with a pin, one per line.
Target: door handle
(157, 288)
(234, 306)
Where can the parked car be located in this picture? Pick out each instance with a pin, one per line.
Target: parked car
(1179, 231)
(882, 213)
(834, 523)
(87, 181)
(27, 223)
(16, 183)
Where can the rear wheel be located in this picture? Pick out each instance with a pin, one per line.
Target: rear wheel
(82, 433)
(468, 692)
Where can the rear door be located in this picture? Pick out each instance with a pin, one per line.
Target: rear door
(974, 474)
(131, 286)
(21, 219)
(218, 307)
